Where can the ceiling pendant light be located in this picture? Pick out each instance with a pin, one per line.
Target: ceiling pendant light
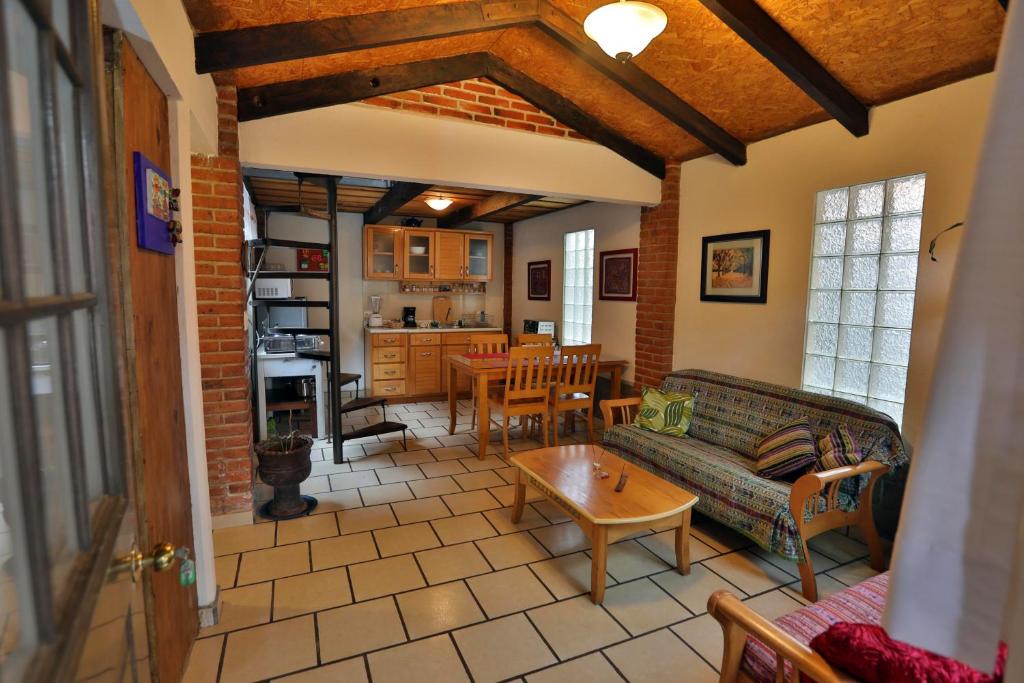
(623, 29)
(438, 203)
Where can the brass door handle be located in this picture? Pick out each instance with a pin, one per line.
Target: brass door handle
(161, 558)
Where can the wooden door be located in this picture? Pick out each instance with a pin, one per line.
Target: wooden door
(449, 263)
(382, 246)
(418, 247)
(424, 370)
(479, 254)
(148, 294)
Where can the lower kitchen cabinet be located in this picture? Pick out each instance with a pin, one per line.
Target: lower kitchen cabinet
(409, 364)
(424, 370)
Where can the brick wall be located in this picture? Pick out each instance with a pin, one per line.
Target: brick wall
(656, 283)
(217, 234)
(479, 100)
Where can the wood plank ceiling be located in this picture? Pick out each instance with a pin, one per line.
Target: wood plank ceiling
(724, 73)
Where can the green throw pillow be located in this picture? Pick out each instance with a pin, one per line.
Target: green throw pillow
(665, 412)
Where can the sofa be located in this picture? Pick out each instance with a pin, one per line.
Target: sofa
(716, 459)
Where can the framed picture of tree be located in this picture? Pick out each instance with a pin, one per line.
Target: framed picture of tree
(734, 267)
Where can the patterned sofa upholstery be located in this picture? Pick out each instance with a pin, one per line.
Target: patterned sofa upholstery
(716, 458)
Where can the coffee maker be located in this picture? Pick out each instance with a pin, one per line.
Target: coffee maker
(409, 316)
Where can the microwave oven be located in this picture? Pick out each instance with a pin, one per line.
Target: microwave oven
(539, 327)
(273, 288)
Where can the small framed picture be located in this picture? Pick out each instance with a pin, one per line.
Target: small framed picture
(538, 280)
(734, 267)
(617, 275)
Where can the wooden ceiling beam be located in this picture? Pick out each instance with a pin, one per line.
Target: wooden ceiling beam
(479, 211)
(237, 48)
(400, 194)
(765, 35)
(641, 85)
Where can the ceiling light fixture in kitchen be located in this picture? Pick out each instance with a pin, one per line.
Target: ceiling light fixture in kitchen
(623, 29)
(438, 203)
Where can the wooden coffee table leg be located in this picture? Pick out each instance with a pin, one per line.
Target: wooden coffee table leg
(598, 563)
(520, 497)
(683, 544)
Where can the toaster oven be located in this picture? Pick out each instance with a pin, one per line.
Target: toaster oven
(279, 343)
(307, 342)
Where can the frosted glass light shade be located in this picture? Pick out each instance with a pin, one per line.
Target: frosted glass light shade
(623, 29)
(438, 203)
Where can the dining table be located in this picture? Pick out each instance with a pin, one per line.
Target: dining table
(483, 369)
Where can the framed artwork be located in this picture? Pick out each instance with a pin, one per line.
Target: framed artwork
(538, 279)
(152, 206)
(617, 279)
(734, 267)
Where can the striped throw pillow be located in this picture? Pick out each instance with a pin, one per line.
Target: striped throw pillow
(665, 412)
(838, 449)
(786, 451)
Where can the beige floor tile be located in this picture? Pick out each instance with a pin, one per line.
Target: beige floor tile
(204, 661)
(749, 572)
(387, 493)
(429, 432)
(508, 551)
(663, 544)
(366, 519)
(511, 590)
(413, 458)
(471, 527)
(568, 575)
(773, 604)
(429, 442)
(226, 568)
(376, 456)
(451, 453)
(441, 469)
(315, 485)
(660, 657)
(826, 586)
(392, 475)
(325, 467)
(237, 539)
(506, 495)
(306, 529)
(592, 669)
(704, 635)
(421, 510)
(352, 480)
(337, 500)
(508, 474)
(405, 539)
(384, 577)
(348, 671)
(575, 626)
(478, 480)
(502, 648)
(820, 562)
(358, 628)
(501, 519)
(270, 650)
(838, 547)
(694, 589)
(311, 593)
(629, 560)
(471, 501)
(439, 486)
(457, 439)
(438, 608)
(562, 539)
(551, 512)
(452, 562)
(641, 606)
(242, 607)
(434, 660)
(342, 550)
(718, 536)
(273, 563)
(852, 574)
(491, 462)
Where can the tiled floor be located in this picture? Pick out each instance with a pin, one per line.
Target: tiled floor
(411, 570)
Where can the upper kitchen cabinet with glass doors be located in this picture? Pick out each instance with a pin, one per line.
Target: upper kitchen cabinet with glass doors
(438, 255)
(478, 256)
(383, 252)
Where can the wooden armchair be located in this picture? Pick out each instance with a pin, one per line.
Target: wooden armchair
(813, 500)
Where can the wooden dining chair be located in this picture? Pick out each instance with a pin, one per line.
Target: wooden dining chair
(576, 376)
(528, 382)
(544, 339)
(485, 343)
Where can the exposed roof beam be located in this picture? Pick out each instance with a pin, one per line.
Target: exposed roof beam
(399, 195)
(764, 34)
(488, 206)
(292, 96)
(236, 48)
(640, 84)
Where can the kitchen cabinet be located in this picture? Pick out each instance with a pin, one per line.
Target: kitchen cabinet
(403, 364)
(424, 370)
(450, 255)
(382, 245)
(419, 254)
(478, 256)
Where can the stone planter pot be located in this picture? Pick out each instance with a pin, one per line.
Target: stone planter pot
(285, 470)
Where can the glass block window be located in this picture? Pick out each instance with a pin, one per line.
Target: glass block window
(578, 287)
(860, 307)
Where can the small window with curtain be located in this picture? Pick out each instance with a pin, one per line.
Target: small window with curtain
(860, 308)
(578, 287)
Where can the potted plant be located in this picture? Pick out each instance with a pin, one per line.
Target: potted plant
(284, 464)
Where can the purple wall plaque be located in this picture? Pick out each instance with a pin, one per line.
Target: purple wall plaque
(152, 205)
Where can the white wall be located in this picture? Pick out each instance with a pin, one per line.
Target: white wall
(616, 226)
(372, 142)
(938, 132)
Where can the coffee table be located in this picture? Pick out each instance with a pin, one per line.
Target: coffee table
(566, 476)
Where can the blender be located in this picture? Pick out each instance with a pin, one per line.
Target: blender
(375, 319)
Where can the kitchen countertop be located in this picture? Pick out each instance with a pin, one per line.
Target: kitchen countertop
(411, 330)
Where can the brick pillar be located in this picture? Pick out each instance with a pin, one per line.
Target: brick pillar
(656, 283)
(217, 231)
(507, 307)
